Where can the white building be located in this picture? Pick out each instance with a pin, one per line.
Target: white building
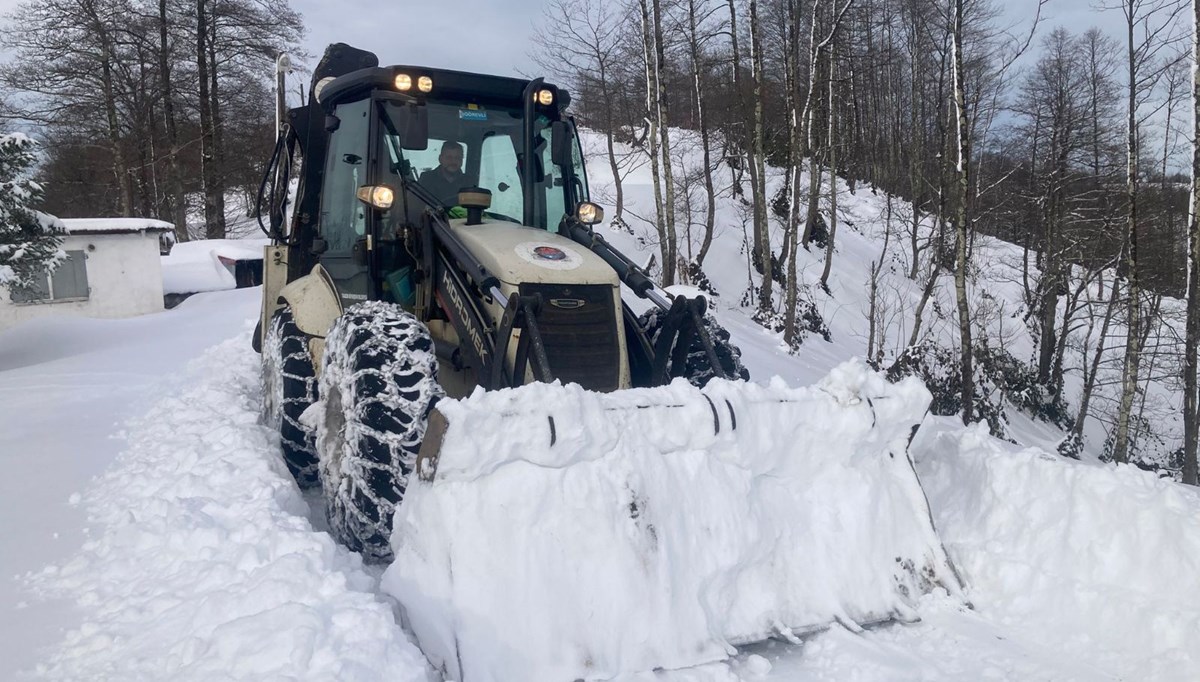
(112, 270)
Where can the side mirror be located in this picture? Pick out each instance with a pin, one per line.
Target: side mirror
(589, 213)
(560, 143)
(414, 127)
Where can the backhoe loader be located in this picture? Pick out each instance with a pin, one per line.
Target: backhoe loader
(439, 308)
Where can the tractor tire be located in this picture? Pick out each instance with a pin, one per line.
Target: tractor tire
(289, 388)
(378, 386)
(698, 369)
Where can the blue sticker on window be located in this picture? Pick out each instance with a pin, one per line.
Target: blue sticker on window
(472, 115)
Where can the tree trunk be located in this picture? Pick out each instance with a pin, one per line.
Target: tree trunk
(1191, 416)
(915, 155)
(609, 125)
(108, 92)
(664, 240)
(1129, 379)
(831, 146)
(796, 151)
(218, 124)
(962, 215)
(926, 294)
(762, 234)
(1089, 379)
(178, 198)
(705, 144)
(213, 220)
(664, 122)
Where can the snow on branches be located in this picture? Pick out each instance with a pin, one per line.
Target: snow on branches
(29, 239)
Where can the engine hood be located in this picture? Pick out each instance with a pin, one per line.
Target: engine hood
(517, 254)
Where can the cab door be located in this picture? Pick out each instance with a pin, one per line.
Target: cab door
(344, 221)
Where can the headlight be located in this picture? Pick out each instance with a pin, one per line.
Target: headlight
(425, 84)
(589, 213)
(545, 97)
(404, 82)
(379, 196)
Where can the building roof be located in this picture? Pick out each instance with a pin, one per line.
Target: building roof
(115, 225)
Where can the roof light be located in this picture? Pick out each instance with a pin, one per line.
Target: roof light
(545, 97)
(403, 82)
(425, 84)
(379, 196)
(320, 87)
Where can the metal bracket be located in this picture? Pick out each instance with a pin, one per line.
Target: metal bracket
(521, 313)
(682, 326)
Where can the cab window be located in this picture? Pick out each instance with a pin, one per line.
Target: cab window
(343, 216)
(498, 173)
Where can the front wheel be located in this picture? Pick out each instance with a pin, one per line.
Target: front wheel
(289, 387)
(378, 385)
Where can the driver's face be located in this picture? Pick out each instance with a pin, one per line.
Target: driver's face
(451, 160)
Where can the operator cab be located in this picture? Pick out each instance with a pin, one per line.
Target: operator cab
(404, 140)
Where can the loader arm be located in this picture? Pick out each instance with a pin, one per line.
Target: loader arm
(484, 341)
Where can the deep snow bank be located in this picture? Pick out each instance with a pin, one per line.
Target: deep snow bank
(205, 565)
(1095, 558)
(570, 534)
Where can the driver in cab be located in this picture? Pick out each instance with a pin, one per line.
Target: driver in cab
(447, 179)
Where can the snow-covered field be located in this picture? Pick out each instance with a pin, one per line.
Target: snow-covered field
(199, 559)
(151, 532)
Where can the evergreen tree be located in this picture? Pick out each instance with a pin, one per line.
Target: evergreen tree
(29, 239)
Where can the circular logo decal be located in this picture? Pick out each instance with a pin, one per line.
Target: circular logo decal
(550, 257)
(549, 253)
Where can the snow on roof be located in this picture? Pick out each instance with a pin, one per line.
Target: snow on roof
(196, 266)
(233, 249)
(115, 225)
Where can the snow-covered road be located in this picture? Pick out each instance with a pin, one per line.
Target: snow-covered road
(66, 387)
(198, 559)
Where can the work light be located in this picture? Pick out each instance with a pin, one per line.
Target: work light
(589, 213)
(379, 196)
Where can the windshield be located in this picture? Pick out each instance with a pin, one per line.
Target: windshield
(475, 146)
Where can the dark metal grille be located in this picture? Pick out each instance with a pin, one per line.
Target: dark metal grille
(578, 324)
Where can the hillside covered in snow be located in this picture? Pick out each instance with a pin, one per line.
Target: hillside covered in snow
(186, 551)
(874, 309)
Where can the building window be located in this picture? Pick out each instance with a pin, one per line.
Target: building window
(68, 282)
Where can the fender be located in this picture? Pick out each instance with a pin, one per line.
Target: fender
(315, 305)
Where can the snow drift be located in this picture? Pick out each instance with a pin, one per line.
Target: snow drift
(1101, 559)
(569, 534)
(205, 566)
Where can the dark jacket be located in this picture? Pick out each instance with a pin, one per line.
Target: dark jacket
(443, 187)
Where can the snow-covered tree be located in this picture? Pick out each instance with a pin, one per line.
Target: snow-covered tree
(29, 239)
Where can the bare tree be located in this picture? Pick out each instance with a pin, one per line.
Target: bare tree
(962, 186)
(1148, 27)
(582, 43)
(762, 235)
(1191, 415)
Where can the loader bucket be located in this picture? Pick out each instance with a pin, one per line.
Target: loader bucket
(560, 534)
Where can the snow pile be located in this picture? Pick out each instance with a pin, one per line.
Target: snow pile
(206, 567)
(196, 266)
(1097, 558)
(570, 534)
